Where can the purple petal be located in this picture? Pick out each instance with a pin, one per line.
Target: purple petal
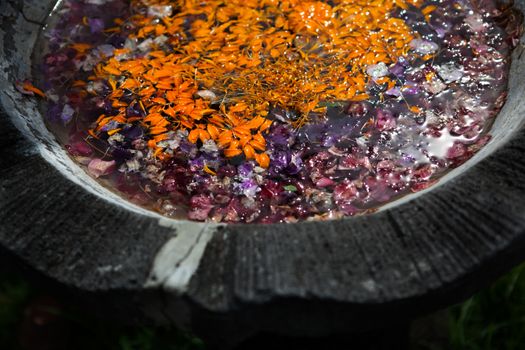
(67, 114)
(96, 25)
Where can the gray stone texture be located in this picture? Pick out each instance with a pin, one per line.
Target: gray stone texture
(310, 278)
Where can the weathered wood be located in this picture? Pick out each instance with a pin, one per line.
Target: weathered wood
(227, 282)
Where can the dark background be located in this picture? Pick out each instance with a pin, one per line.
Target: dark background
(32, 317)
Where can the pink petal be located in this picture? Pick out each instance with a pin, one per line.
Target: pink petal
(98, 167)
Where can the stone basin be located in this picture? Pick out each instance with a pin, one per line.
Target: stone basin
(227, 282)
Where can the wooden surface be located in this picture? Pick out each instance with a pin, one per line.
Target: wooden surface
(298, 279)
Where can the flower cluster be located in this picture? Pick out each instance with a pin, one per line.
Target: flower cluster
(215, 68)
(273, 111)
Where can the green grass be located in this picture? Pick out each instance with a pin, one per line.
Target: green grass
(492, 319)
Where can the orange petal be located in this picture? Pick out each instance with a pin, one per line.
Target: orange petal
(203, 135)
(263, 160)
(213, 131)
(261, 146)
(249, 152)
(208, 170)
(266, 125)
(225, 138)
(194, 135)
(232, 152)
(114, 131)
(29, 87)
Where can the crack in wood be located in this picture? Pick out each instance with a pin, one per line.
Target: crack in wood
(180, 256)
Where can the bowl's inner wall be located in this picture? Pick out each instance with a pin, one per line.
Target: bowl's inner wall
(16, 64)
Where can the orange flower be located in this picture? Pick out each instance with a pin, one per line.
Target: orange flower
(251, 55)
